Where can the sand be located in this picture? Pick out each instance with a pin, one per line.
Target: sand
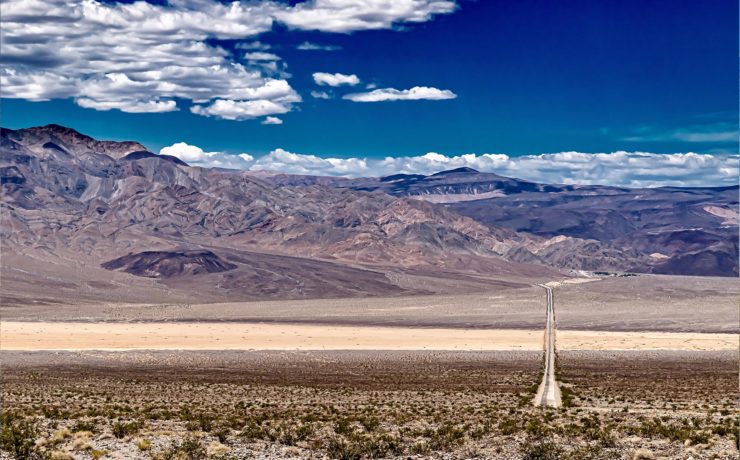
(254, 336)
(258, 336)
(645, 341)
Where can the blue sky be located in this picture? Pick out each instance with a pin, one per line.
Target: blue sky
(519, 77)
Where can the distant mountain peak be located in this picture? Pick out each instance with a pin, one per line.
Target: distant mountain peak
(463, 170)
(69, 140)
(56, 129)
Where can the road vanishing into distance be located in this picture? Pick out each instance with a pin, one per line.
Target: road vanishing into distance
(548, 394)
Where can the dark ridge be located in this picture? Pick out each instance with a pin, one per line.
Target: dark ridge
(169, 264)
(53, 146)
(463, 170)
(5, 132)
(59, 129)
(142, 154)
(395, 177)
(701, 263)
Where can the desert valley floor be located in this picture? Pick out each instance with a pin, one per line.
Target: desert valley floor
(647, 366)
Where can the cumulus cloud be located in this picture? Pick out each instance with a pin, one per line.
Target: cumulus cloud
(295, 163)
(240, 110)
(195, 156)
(255, 45)
(159, 53)
(262, 56)
(626, 169)
(272, 121)
(350, 15)
(335, 79)
(320, 95)
(391, 94)
(308, 46)
(143, 57)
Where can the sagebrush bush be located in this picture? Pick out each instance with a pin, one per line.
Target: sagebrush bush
(17, 436)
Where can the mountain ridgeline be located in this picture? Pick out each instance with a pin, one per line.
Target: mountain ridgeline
(70, 199)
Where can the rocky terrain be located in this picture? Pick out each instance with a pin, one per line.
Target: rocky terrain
(670, 230)
(74, 208)
(353, 405)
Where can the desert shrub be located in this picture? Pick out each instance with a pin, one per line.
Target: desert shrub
(420, 448)
(191, 449)
(252, 431)
(123, 429)
(221, 433)
(363, 446)
(370, 423)
(481, 430)
(589, 452)
(446, 436)
(84, 425)
(17, 436)
(290, 434)
(540, 448)
(202, 422)
(509, 426)
(535, 428)
(567, 396)
(673, 431)
(344, 426)
(592, 430)
(342, 449)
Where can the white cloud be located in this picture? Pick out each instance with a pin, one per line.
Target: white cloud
(308, 46)
(352, 15)
(272, 121)
(241, 110)
(195, 156)
(130, 106)
(391, 94)
(295, 163)
(255, 45)
(67, 49)
(335, 79)
(626, 169)
(320, 95)
(142, 57)
(262, 56)
(185, 152)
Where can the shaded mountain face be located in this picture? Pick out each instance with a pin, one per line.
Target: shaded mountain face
(60, 140)
(459, 184)
(668, 230)
(74, 201)
(70, 199)
(682, 230)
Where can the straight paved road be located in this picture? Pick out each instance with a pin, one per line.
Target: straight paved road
(548, 393)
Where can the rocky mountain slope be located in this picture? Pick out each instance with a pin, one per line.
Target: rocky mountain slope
(69, 199)
(75, 206)
(671, 230)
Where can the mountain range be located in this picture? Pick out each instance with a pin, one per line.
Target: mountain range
(100, 217)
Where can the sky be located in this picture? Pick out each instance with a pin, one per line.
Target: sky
(626, 92)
